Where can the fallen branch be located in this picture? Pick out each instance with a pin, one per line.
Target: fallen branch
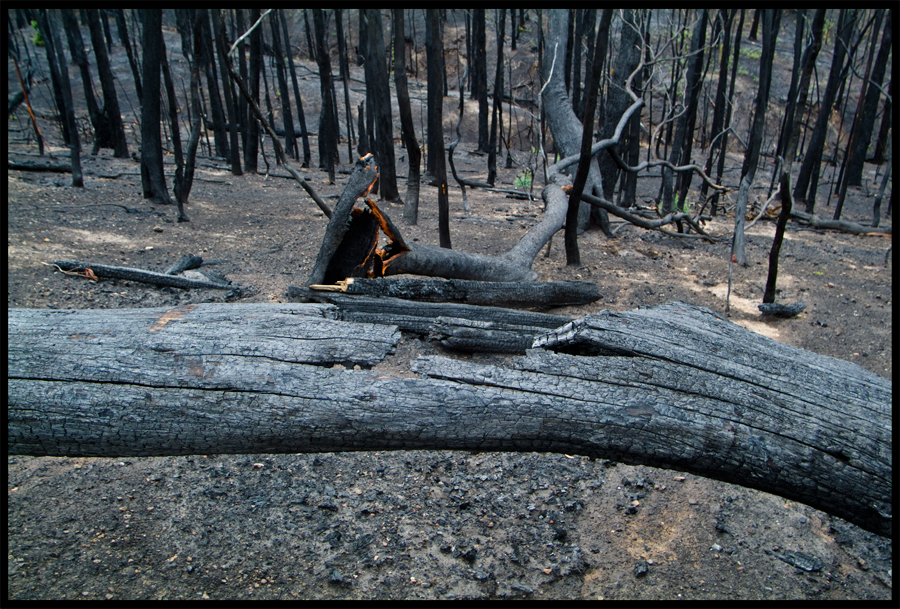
(131, 274)
(838, 225)
(649, 224)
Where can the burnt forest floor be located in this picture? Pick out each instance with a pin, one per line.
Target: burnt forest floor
(423, 524)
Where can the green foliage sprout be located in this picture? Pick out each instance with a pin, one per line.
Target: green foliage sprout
(38, 39)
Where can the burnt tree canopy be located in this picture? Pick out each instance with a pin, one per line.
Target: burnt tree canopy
(673, 386)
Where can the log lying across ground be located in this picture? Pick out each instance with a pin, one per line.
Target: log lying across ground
(505, 293)
(672, 386)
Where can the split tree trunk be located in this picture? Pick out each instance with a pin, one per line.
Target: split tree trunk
(673, 386)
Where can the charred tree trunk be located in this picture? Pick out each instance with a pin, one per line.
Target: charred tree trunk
(435, 51)
(301, 116)
(497, 111)
(59, 67)
(573, 257)
(378, 93)
(287, 116)
(153, 180)
(251, 154)
(230, 106)
(407, 126)
(123, 36)
(869, 107)
(808, 178)
(479, 75)
(770, 20)
(328, 146)
(672, 386)
(103, 137)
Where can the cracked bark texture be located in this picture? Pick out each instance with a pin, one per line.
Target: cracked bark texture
(673, 386)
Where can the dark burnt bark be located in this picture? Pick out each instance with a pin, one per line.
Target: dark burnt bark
(153, 180)
(808, 178)
(378, 94)
(122, 28)
(287, 116)
(328, 139)
(60, 71)
(673, 386)
(251, 153)
(435, 51)
(479, 75)
(301, 116)
(573, 257)
(407, 127)
(230, 106)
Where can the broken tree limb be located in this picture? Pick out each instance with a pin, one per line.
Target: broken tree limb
(491, 293)
(686, 390)
(838, 225)
(123, 272)
(648, 224)
(49, 167)
(419, 317)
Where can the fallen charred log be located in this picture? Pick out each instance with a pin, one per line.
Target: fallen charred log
(490, 293)
(685, 389)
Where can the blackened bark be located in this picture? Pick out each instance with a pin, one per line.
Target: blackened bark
(407, 127)
(122, 27)
(857, 155)
(673, 386)
(344, 65)
(56, 55)
(683, 138)
(573, 257)
(243, 107)
(176, 137)
(808, 178)
(618, 101)
(770, 20)
(287, 116)
(479, 75)
(328, 144)
(153, 180)
(798, 106)
(787, 204)
(378, 92)
(107, 84)
(724, 19)
(563, 123)
(102, 132)
(221, 50)
(301, 116)
(497, 110)
(212, 86)
(435, 50)
(251, 161)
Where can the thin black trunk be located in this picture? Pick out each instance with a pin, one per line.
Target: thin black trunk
(54, 47)
(344, 64)
(251, 162)
(153, 180)
(378, 93)
(857, 155)
(287, 117)
(212, 86)
(479, 76)
(807, 179)
(123, 36)
(496, 114)
(573, 257)
(328, 145)
(435, 51)
(411, 207)
(233, 119)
